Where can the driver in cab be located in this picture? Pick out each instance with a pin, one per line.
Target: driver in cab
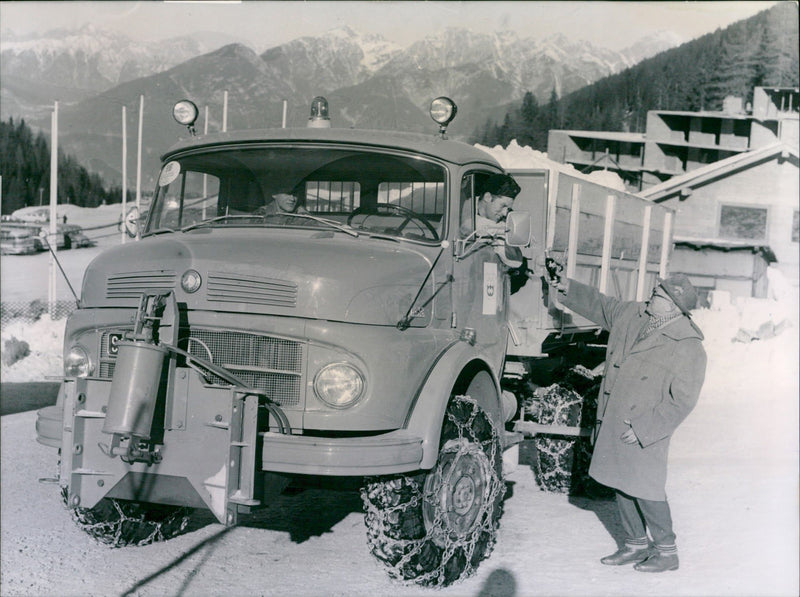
(283, 203)
(494, 205)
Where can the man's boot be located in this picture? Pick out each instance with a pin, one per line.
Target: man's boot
(626, 555)
(660, 561)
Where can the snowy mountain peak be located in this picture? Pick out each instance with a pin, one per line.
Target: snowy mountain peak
(653, 44)
(344, 32)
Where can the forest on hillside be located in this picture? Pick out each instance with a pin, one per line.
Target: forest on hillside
(756, 52)
(25, 171)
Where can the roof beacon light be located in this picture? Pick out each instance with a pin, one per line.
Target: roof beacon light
(319, 118)
(186, 113)
(443, 110)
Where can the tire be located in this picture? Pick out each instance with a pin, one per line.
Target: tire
(561, 463)
(433, 528)
(120, 523)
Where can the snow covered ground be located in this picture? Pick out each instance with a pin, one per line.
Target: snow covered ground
(733, 489)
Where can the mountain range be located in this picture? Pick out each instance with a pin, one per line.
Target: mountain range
(369, 82)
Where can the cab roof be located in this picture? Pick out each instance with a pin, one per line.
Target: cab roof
(430, 145)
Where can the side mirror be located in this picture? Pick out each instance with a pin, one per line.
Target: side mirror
(132, 222)
(518, 229)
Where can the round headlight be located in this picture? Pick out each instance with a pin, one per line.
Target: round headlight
(191, 281)
(443, 110)
(185, 112)
(339, 385)
(77, 362)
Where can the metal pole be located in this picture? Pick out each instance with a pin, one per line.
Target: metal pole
(643, 254)
(225, 112)
(666, 242)
(283, 125)
(124, 169)
(139, 163)
(51, 240)
(608, 241)
(205, 176)
(574, 220)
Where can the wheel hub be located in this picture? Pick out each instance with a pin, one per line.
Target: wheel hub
(463, 495)
(455, 492)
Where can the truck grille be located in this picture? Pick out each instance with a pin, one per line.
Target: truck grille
(238, 288)
(273, 365)
(133, 284)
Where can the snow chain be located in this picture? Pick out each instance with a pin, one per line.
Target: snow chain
(474, 430)
(562, 462)
(128, 523)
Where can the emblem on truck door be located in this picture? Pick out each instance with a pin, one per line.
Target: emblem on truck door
(489, 286)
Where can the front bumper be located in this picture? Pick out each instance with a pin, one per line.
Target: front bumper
(387, 453)
(49, 423)
(215, 442)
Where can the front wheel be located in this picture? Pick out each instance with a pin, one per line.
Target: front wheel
(119, 523)
(434, 528)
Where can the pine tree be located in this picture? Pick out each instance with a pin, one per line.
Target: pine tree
(25, 170)
(777, 55)
(737, 70)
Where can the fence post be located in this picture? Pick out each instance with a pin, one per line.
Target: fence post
(52, 240)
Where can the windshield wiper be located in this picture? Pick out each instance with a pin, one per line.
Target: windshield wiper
(331, 223)
(157, 231)
(405, 321)
(219, 219)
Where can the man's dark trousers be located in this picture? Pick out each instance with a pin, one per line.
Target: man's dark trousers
(638, 512)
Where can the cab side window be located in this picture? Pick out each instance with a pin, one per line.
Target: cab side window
(472, 185)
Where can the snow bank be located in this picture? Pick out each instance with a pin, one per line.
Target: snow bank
(46, 339)
(82, 216)
(517, 156)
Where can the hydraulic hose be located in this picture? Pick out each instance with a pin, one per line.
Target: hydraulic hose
(274, 409)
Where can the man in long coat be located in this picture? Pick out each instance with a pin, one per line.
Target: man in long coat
(654, 370)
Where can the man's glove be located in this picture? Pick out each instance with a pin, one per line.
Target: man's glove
(554, 271)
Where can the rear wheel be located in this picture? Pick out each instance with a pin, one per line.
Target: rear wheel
(434, 528)
(119, 523)
(561, 463)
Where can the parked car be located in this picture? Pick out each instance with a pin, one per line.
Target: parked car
(17, 240)
(74, 238)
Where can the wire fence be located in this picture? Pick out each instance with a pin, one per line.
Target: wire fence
(32, 311)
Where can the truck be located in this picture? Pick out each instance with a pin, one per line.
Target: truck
(367, 335)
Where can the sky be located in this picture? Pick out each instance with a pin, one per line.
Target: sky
(263, 24)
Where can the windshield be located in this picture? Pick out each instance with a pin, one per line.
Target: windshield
(303, 187)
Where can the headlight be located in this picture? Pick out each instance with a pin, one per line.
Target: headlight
(185, 112)
(339, 385)
(190, 281)
(443, 110)
(77, 362)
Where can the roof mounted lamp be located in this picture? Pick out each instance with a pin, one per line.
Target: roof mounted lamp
(319, 118)
(185, 112)
(443, 110)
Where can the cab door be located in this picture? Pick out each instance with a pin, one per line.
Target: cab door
(480, 286)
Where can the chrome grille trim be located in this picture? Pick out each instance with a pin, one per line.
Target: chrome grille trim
(106, 370)
(133, 284)
(268, 363)
(239, 288)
